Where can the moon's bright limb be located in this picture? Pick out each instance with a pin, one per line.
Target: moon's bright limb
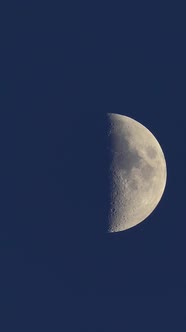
(138, 172)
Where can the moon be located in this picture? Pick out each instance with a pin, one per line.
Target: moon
(137, 172)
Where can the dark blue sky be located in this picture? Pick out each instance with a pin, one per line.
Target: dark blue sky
(64, 66)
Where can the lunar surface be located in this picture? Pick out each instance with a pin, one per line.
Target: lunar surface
(137, 172)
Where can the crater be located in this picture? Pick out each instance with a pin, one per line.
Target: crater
(151, 152)
(134, 184)
(147, 171)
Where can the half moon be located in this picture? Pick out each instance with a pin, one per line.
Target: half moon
(137, 172)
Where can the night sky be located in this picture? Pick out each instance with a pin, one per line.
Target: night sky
(65, 66)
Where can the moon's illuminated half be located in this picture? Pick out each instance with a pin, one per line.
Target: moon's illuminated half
(137, 172)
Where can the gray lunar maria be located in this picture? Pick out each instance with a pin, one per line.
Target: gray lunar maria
(137, 172)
